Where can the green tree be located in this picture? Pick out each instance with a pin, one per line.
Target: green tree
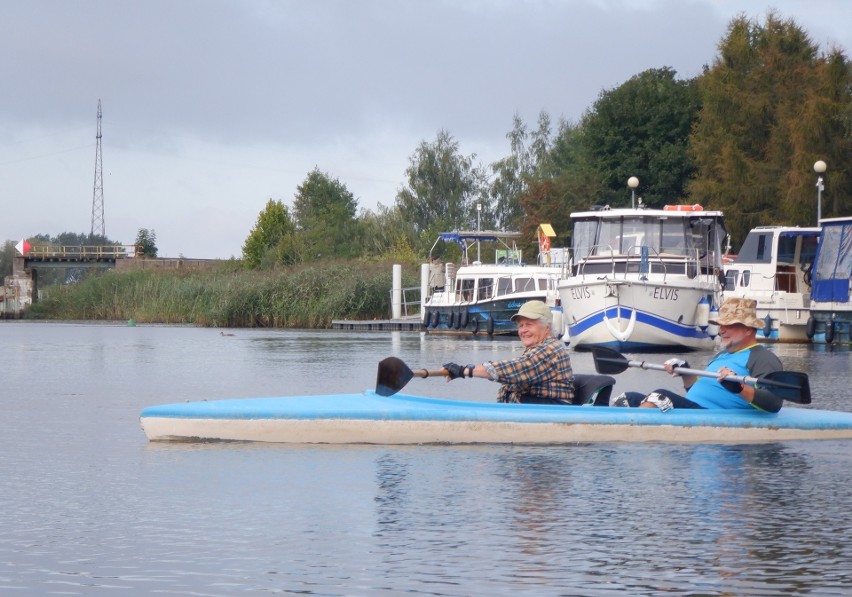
(324, 214)
(530, 153)
(7, 257)
(386, 233)
(261, 247)
(641, 128)
(772, 106)
(443, 188)
(147, 241)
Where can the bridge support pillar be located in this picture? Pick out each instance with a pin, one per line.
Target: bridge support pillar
(18, 290)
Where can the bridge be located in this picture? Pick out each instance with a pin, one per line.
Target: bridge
(78, 255)
(21, 288)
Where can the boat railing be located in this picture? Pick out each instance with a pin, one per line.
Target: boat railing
(603, 259)
(411, 303)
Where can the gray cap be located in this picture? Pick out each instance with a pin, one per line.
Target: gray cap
(534, 310)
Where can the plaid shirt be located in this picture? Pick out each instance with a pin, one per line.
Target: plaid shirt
(542, 374)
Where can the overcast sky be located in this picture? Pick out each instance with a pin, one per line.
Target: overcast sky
(212, 107)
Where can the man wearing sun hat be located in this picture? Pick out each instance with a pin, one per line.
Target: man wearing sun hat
(740, 355)
(541, 375)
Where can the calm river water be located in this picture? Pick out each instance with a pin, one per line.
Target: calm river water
(89, 507)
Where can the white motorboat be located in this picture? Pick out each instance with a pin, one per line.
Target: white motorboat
(773, 268)
(644, 279)
(481, 298)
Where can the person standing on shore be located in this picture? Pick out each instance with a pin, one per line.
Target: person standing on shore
(541, 375)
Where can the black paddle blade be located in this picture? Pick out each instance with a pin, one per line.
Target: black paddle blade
(392, 376)
(609, 361)
(789, 385)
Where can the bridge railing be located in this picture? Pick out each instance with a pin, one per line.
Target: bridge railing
(82, 252)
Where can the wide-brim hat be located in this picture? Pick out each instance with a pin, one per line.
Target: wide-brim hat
(534, 310)
(739, 310)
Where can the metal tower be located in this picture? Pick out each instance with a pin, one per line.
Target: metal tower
(98, 227)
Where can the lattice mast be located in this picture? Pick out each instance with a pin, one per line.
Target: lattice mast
(98, 226)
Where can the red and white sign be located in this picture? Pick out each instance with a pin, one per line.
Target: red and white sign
(23, 247)
(545, 244)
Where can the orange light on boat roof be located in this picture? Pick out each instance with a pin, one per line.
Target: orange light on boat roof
(693, 207)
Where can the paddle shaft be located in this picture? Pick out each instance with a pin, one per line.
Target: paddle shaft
(743, 379)
(424, 373)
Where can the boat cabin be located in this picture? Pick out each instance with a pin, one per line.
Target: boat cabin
(774, 258)
(647, 241)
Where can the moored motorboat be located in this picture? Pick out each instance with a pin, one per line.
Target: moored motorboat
(477, 298)
(369, 418)
(644, 279)
(773, 267)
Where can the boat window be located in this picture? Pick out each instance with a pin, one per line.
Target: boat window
(786, 249)
(466, 289)
(809, 249)
(486, 285)
(584, 238)
(708, 236)
(757, 248)
(504, 286)
(746, 279)
(731, 279)
(524, 284)
(609, 237)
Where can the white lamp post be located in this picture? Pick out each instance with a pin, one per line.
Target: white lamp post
(819, 168)
(633, 182)
(478, 214)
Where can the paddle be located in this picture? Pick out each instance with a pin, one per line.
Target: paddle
(393, 374)
(789, 385)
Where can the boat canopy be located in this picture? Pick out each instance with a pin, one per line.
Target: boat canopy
(833, 268)
(467, 239)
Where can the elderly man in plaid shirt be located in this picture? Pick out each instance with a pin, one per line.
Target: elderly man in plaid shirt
(541, 375)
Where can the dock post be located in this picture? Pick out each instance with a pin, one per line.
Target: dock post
(424, 290)
(396, 299)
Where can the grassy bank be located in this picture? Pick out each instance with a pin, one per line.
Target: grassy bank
(307, 297)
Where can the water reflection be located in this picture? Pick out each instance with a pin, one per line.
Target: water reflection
(88, 504)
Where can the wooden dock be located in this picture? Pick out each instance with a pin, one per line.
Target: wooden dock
(409, 324)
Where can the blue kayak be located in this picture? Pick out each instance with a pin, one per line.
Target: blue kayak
(369, 418)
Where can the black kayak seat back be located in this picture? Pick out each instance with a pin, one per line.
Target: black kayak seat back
(592, 389)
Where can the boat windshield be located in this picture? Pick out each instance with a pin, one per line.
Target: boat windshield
(664, 236)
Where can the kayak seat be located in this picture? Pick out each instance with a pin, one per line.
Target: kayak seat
(592, 389)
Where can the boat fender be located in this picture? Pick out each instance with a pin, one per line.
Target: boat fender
(712, 328)
(767, 326)
(458, 319)
(490, 326)
(702, 313)
(464, 317)
(558, 325)
(475, 326)
(829, 332)
(436, 318)
(810, 328)
(451, 319)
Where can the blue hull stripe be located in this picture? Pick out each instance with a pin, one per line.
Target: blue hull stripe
(666, 325)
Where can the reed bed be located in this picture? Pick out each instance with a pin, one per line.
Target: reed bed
(307, 297)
